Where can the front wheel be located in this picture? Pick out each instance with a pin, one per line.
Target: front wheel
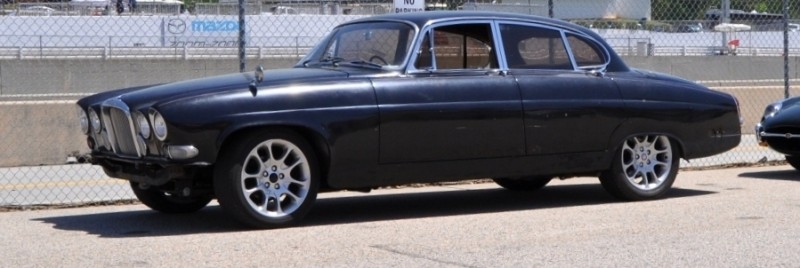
(644, 168)
(267, 179)
(168, 203)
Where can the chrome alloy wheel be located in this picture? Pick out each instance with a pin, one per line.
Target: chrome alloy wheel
(647, 161)
(275, 178)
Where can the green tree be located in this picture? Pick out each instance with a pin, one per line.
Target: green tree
(681, 9)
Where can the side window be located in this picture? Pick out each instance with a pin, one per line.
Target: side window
(586, 52)
(463, 46)
(529, 47)
(373, 45)
(424, 59)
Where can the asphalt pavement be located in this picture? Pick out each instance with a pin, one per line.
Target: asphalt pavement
(735, 217)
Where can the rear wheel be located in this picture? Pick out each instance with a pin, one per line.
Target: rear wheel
(644, 167)
(267, 179)
(794, 161)
(161, 201)
(523, 184)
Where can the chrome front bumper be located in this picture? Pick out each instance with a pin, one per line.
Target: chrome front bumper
(761, 134)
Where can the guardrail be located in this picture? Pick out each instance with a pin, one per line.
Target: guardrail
(186, 53)
(704, 51)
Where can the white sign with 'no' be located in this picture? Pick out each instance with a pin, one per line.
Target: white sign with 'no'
(403, 6)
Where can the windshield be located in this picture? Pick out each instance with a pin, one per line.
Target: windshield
(370, 45)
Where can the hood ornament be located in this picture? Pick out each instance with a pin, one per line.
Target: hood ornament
(258, 77)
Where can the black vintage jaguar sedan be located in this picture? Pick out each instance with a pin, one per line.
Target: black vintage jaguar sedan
(779, 129)
(408, 98)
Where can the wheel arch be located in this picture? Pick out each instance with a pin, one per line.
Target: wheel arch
(317, 141)
(622, 134)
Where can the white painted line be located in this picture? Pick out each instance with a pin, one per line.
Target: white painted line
(750, 87)
(46, 95)
(60, 184)
(745, 81)
(13, 103)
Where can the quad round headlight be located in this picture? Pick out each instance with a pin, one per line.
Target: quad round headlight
(143, 124)
(94, 120)
(159, 125)
(84, 120)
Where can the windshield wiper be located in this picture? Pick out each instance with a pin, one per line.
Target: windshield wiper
(332, 60)
(365, 63)
(336, 61)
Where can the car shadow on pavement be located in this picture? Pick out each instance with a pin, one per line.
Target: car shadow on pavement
(450, 203)
(785, 175)
(344, 210)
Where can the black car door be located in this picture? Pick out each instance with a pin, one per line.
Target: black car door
(454, 105)
(566, 109)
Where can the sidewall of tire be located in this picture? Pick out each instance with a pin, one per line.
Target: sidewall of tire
(618, 185)
(227, 179)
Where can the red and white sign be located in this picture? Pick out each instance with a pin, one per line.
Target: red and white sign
(404, 6)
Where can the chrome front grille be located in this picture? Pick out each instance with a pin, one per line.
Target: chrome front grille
(119, 128)
(120, 122)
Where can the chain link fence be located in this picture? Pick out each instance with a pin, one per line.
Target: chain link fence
(52, 53)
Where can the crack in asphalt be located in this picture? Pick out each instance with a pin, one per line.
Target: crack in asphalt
(417, 256)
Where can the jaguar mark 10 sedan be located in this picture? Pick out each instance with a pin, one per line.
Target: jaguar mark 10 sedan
(408, 98)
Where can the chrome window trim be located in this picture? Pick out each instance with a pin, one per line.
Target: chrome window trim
(563, 32)
(570, 54)
(330, 35)
(502, 63)
(429, 29)
(605, 53)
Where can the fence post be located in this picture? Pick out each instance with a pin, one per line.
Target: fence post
(726, 13)
(241, 37)
(785, 49)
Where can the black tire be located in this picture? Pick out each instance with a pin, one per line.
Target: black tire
(794, 161)
(166, 203)
(253, 185)
(644, 168)
(523, 184)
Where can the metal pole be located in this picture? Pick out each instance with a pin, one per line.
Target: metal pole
(726, 18)
(242, 52)
(550, 8)
(785, 49)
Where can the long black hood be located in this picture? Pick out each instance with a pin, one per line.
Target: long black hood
(788, 116)
(213, 85)
(661, 76)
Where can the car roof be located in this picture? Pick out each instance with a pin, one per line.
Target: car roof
(422, 18)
